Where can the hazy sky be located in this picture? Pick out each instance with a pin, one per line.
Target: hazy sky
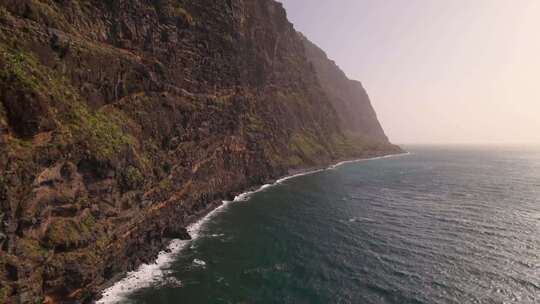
(437, 71)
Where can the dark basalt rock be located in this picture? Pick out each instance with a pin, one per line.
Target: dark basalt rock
(180, 233)
(122, 122)
(26, 111)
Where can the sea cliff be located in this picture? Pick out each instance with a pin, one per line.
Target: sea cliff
(122, 122)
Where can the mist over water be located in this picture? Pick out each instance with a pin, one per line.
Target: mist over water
(442, 225)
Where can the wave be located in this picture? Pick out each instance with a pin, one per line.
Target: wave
(366, 159)
(199, 262)
(147, 275)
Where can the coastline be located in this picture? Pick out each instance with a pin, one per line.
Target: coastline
(148, 274)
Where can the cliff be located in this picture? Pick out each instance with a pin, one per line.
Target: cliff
(351, 101)
(123, 121)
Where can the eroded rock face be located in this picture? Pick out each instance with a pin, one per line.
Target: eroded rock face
(123, 121)
(349, 98)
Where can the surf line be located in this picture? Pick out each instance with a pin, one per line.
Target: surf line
(148, 275)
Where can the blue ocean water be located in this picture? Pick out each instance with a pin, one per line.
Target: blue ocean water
(445, 224)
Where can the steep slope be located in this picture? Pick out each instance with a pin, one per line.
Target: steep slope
(123, 121)
(349, 97)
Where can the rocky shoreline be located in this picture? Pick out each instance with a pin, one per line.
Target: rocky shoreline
(291, 174)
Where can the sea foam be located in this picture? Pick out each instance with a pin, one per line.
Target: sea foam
(366, 159)
(148, 275)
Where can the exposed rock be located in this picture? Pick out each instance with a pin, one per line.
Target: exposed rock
(180, 233)
(122, 122)
(349, 97)
(27, 111)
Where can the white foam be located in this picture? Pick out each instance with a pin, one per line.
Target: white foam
(361, 219)
(217, 235)
(170, 282)
(148, 275)
(279, 181)
(366, 159)
(199, 262)
(245, 196)
(145, 276)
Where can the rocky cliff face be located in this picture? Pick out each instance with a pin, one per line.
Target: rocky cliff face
(349, 98)
(123, 121)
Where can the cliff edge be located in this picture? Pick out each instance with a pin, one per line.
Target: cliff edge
(349, 98)
(123, 121)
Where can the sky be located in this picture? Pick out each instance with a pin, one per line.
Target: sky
(437, 71)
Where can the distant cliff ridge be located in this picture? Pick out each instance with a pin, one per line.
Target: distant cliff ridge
(349, 98)
(123, 121)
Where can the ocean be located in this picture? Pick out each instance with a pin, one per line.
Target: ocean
(443, 224)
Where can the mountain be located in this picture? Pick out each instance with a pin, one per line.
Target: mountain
(123, 121)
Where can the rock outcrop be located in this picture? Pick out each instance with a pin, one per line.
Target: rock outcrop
(123, 121)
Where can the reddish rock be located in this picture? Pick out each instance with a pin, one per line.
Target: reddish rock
(121, 122)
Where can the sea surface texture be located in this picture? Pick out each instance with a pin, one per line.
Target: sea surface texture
(441, 225)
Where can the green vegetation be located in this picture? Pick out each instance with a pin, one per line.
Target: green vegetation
(95, 131)
(5, 17)
(19, 66)
(31, 249)
(88, 221)
(47, 11)
(228, 37)
(180, 12)
(344, 145)
(4, 293)
(132, 178)
(63, 231)
(304, 150)
(165, 185)
(69, 232)
(102, 242)
(254, 124)
(305, 145)
(19, 147)
(98, 132)
(4, 14)
(294, 161)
